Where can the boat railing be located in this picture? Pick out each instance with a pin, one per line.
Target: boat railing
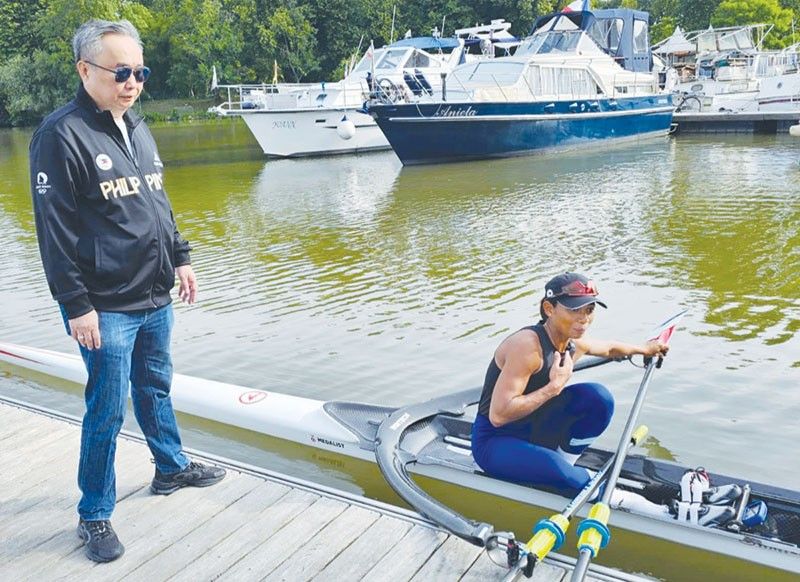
(259, 96)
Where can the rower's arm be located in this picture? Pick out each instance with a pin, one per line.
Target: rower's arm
(615, 349)
(521, 358)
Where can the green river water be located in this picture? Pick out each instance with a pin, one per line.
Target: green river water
(354, 278)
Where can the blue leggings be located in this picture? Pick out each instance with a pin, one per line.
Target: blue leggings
(525, 451)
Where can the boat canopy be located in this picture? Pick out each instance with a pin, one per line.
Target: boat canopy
(722, 40)
(676, 44)
(427, 43)
(393, 57)
(621, 33)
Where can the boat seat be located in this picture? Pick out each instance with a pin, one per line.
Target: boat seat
(413, 84)
(423, 82)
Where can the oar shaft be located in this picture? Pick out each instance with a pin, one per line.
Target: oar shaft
(600, 511)
(582, 565)
(619, 459)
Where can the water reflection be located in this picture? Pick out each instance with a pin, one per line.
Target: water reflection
(736, 242)
(355, 278)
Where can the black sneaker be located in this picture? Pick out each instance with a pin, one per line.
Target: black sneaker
(194, 475)
(102, 543)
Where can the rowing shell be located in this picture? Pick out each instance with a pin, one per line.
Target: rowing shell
(440, 447)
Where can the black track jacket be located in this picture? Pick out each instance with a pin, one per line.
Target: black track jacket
(107, 236)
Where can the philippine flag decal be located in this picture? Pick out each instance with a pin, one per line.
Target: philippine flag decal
(103, 161)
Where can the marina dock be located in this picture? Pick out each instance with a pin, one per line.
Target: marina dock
(255, 525)
(775, 122)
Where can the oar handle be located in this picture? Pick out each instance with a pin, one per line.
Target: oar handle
(549, 533)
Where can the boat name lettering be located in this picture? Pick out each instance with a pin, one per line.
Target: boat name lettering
(449, 111)
(324, 441)
(284, 124)
(399, 422)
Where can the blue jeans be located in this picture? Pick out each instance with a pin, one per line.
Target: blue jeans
(135, 353)
(525, 451)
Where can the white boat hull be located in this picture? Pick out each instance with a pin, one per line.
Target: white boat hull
(305, 421)
(312, 132)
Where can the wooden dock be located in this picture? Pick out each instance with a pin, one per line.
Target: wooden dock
(255, 525)
(768, 122)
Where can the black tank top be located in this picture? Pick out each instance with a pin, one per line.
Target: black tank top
(536, 381)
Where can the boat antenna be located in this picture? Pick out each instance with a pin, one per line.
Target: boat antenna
(443, 19)
(355, 54)
(391, 35)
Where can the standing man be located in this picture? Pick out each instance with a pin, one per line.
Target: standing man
(111, 249)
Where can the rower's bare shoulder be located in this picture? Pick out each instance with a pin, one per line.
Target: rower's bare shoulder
(521, 347)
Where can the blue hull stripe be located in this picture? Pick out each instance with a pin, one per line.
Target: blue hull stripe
(533, 117)
(445, 132)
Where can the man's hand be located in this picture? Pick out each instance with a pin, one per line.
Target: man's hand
(188, 286)
(86, 330)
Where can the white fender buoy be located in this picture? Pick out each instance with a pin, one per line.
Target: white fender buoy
(346, 129)
(794, 130)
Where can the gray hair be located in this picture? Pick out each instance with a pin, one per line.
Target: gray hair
(86, 42)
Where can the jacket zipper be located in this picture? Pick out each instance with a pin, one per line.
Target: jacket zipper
(129, 155)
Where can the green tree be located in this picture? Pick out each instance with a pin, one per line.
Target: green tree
(695, 14)
(16, 33)
(34, 82)
(741, 12)
(184, 41)
(290, 36)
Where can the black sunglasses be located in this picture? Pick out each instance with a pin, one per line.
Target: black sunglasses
(122, 74)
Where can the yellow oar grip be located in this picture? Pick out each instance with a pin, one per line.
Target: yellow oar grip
(548, 534)
(593, 530)
(639, 434)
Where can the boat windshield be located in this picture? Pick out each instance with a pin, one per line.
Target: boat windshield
(488, 73)
(551, 42)
(363, 65)
(714, 40)
(392, 59)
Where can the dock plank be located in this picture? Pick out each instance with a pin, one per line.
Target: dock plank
(172, 559)
(54, 502)
(252, 526)
(311, 557)
(264, 558)
(260, 528)
(26, 435)
(12, 420)
(449, 562)
(354, 562)
(484, 569)
(158, 522)
(408, 556)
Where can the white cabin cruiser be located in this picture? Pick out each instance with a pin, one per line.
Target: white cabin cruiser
(582, 79)
(726, 70)
(293, 120)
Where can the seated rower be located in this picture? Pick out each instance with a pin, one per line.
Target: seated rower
(532, 426)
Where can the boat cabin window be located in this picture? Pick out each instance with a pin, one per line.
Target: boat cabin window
(551, 42)
(728, 42)
(363, 65)
(562, 82)
(607, 33)
(641, 42)
(488, 73)
(392, 59)
(419, 60)
(744, 39)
